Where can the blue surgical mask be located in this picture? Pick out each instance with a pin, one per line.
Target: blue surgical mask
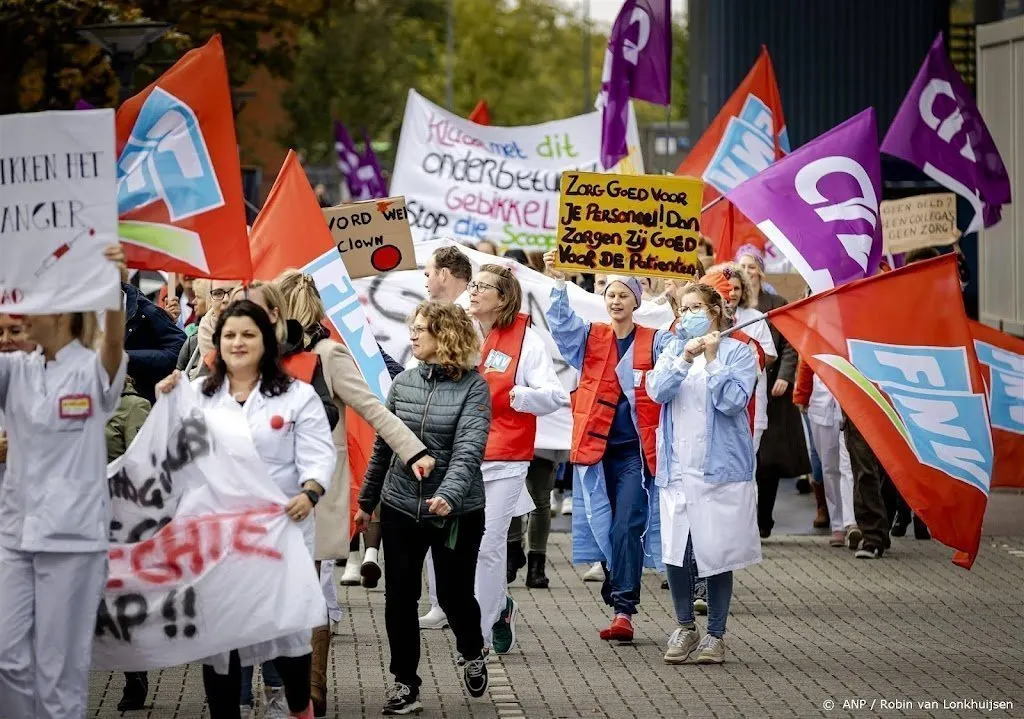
(695, 324)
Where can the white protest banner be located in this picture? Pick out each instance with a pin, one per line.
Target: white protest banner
(475, 182)
(390, 299)
(58, 210)
(203, 559)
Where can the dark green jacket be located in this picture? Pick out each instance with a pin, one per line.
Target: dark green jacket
(127, 420)
(452, 418)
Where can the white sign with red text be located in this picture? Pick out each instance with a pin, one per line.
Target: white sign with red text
(203, 559)
(58, 210)
(474, 182)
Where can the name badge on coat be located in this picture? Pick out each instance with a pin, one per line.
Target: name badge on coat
(638, 378)
(75, 406)
(497, 361)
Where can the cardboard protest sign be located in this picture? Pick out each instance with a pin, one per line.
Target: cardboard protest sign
(203, 558)
(919, 221)
(390, 299)
(58, 210)
(645, 225)
(475, 182)
(372, 236)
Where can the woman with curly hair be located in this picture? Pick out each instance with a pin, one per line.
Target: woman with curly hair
(447, 405)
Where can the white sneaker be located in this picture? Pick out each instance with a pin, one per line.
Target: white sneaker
(554, 502)
(595, 573)
(277, 704)
(351, 576)
(434, 619)
(567, 506)
(245, 711)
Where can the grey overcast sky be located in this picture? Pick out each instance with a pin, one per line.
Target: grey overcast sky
(604, 11)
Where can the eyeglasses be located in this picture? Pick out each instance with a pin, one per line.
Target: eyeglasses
(220, 294)
(415, 331)
(693, 308)
(477, 287)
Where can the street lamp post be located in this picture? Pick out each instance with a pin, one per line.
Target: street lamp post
(125, 42)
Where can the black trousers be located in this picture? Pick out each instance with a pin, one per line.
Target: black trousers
(455, 571)
(874, 501)
(223, 690)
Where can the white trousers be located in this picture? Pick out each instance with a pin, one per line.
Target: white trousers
(44, 664)
(838, 484)
(330, 591)
(502, 499)
(432, 582)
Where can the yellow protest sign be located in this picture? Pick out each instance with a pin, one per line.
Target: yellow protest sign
(644, 225)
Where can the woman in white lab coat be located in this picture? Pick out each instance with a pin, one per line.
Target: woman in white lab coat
(521, 377)
(55, 507)
(705, 467)
(291, 434)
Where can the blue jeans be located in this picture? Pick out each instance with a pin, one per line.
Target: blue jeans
(817, 475)
(681, 585)
(270, 678)
(628, 485)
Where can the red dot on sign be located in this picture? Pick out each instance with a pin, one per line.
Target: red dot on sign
(385, 258)
(92, 232)
(277, 421)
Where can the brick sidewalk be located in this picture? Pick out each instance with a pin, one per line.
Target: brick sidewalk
(809, 624)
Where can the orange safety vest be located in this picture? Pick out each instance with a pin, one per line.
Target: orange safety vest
(512, 433)
(595, 399)
(745, 339)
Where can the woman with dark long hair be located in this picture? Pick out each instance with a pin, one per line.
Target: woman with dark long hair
(293, 439)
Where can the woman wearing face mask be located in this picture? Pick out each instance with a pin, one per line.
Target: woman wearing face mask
(614, 446)
(782, 451)
(248, 379)
(523, 386)
(739, 308)
(705, 468)
(55, 506)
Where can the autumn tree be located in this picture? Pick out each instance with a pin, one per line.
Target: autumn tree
(45, 64)
(525, 58)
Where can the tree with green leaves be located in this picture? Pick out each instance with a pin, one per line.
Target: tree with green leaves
(525, 58)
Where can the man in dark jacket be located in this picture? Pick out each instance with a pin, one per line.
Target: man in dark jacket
(151, 339)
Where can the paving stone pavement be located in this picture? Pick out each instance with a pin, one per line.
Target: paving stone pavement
(808, 626)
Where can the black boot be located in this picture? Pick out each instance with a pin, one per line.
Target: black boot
(136, 687)
(921, 529)
(535, 577)
(900, 524)
(516, 560)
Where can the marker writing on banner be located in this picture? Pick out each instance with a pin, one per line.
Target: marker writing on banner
(184, 547)
(632, 224)
(188, 442)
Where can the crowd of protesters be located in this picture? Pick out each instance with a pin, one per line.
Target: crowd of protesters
(682, 436)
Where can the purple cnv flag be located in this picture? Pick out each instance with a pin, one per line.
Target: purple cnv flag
(940, 130)
(636, 64)
(348, 159)
(369, 171)
(83, 105)
(819, 204)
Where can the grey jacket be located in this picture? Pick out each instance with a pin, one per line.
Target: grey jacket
(452, 418)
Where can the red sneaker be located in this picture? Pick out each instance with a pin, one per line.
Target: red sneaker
(621, 630)
(306, 714)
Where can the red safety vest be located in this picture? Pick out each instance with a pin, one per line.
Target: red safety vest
(595, 399)
(745, 339)
(512, 433)
(300, 365)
